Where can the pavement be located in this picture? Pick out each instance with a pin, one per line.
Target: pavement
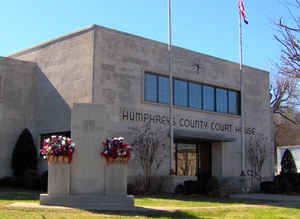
(140, 208)
(268, 197)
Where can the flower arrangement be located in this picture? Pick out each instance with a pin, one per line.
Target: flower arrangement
(56, 147)
(115, 149)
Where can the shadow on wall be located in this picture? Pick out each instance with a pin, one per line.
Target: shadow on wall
(52, 112)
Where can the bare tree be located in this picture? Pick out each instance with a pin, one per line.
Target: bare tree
(149, 149)
(284, 92)
(257, 155)
(288, 37)
(284, 97)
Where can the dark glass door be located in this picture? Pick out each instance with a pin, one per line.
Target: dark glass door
(193, 159)
(203, 159)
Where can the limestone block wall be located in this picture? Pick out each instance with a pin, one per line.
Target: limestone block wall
(121, 60)
(17, 101)
(64, 77)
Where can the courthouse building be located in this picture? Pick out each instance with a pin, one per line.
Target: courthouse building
(128, 76)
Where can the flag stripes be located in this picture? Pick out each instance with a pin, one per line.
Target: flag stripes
(242, 11)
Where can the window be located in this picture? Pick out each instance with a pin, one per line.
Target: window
(233, 102)
(191, 94)
(208, 98)
(180, 93)
(156, 88)
(195, 95)
(163, 89)
(221, 100)
(150, 87)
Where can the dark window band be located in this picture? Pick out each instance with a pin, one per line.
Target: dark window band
(191, 94)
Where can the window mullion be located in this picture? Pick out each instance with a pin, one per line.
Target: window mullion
(227, 99)
(157, 89)
(188, 94)
(215, 99)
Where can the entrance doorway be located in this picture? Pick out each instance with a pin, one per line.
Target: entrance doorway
(193, 159)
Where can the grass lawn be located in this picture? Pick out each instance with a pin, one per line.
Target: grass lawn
(200, 207)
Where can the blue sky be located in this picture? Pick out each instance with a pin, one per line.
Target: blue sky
(209, 27)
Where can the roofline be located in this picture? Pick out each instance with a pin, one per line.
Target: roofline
(189, 50)
(94, 26)
(16, 60)
(52, 41)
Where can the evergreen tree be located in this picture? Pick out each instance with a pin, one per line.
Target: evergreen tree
(24, 155)
(288, 165)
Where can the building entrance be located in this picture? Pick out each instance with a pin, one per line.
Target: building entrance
(193, 159)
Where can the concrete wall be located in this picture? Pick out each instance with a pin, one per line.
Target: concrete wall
(17, 101)
(120, 62)
(64, 77)
(259, 115)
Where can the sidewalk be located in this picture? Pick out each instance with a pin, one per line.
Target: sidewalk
(268, 197)
(141, 208)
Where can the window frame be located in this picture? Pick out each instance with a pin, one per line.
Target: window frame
(188, 93)
(227, 99)
(157, 99)
(201, 96)
(214, 98)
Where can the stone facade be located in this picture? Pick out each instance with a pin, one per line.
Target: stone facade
(17, 106)
(98, 65)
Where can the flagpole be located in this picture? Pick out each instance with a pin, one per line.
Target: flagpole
(170, 86)
(242, 100)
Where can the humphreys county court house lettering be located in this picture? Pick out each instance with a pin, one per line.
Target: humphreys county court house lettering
(184, 122)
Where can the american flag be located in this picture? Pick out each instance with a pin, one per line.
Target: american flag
(242, 11)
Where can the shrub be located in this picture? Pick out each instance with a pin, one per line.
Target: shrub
(179, 189)
(5, 181)
(288, 165)
(138, 186)
(157, 184)
(17, 181)
(24, 155)
(284, 185)
(44, 181)
(31, 180)
(268, 187)
(276, 182)
(292, 178)
(192, 187)
(212, 187)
